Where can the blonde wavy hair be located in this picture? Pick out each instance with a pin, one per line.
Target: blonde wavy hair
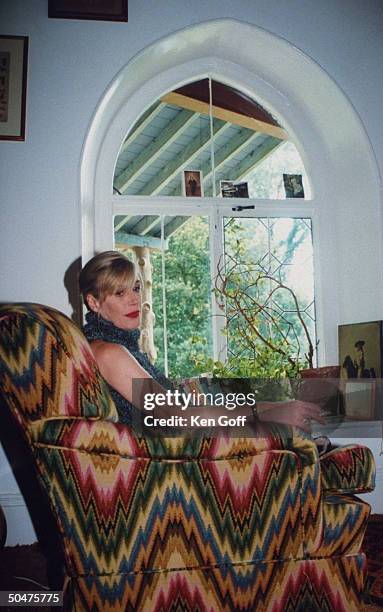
(105, 273)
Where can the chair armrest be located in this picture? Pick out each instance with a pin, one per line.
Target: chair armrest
(348, 469)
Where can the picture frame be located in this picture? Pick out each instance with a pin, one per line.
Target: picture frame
(293, 184)
(231, 189)
(322, 386)
(360, 350)
(359, 399)
(101, 10)
(360, 359)
(192, 184)
(13, 86)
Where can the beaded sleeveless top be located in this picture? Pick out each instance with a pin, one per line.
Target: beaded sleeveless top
(97, 328)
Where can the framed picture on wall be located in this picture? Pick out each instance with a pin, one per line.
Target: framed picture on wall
(192, 184)
(103, 10)
(230, 189)
(13, 86)
(293, 185)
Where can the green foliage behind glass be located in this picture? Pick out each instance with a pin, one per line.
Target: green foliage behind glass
(270, 372)
(188, 298)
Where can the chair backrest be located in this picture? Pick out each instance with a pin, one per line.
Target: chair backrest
(47, 370)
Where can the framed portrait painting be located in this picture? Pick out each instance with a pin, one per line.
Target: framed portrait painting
(360, 359)
(13, 86)
(102, 10)
(192, 184)
(360, 350)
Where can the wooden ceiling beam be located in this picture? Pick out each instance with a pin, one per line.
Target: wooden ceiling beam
(232, 148)
(164, 140)
(203, 108)
(145, 225)
(229, 150)
(123, 241)
(250, 162)
(121, 223)
(183, 160)
(173, 225)
(143, 122)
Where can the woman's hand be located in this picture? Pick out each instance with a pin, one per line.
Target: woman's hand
(294, 412)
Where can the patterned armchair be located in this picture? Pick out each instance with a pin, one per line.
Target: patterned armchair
(178, 524)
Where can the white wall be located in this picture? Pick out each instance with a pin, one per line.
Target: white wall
(71, 64)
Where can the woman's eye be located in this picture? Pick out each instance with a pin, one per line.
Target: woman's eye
(120, 293)
(137, 288)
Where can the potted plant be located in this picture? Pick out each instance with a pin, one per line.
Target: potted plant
(268, 337)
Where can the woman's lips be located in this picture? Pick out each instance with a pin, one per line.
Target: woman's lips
(133, 315)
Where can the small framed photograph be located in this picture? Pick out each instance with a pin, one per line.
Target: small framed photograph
(102, 10)
(13, 86)
(293, 186)
(192, 184)
(230, 189)
(359, 399)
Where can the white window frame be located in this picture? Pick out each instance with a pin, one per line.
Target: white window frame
(216, 208)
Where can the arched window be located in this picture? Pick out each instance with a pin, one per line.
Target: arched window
(297, 94)
(220, 179)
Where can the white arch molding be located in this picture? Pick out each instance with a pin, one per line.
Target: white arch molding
(328, 133)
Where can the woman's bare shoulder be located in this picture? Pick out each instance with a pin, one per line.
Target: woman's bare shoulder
(104, 350)
(115, 361)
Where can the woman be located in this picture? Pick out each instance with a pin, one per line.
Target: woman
(110, 287)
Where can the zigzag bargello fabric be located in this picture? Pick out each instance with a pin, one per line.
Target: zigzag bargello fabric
(174, 524)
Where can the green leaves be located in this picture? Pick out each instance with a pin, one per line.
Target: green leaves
(268, 323)
(188, 299)
(264, 363)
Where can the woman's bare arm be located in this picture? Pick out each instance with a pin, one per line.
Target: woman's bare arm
(119, 368)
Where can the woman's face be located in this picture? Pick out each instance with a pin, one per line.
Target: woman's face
(123, 307)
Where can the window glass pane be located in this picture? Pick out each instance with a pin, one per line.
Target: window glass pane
(183, 318)
(266, 180)
(171, 138)
(168, 152)
(139, 237)
(188, 295)
(269, 290)
(249, 134)
(251, 151)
